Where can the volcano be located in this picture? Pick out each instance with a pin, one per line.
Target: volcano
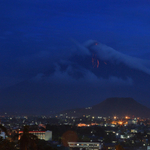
(114, 107)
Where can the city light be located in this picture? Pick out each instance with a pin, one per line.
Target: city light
(120, 122)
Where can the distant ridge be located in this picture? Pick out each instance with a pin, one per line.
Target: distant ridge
(115, 106)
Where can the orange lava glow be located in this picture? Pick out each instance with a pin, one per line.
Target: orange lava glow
(95, 61)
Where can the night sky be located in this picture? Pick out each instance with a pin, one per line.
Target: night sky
(63, 54)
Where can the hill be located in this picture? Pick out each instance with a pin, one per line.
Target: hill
(113, 107)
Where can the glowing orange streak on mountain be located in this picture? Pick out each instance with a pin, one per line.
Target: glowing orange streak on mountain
(97, 63)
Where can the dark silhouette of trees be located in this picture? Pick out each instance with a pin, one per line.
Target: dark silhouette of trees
(27, 140)
(4, 143)
(3, 129)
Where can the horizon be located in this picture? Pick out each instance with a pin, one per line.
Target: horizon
(54, 113)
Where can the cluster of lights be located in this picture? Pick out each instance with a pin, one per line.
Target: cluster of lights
(115, 117)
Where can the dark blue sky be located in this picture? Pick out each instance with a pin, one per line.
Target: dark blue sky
(46, 64)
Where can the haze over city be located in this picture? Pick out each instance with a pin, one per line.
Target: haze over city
(63, 54)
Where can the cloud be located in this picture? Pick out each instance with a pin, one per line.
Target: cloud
(88, 79)
(107, 53)
(80, 49)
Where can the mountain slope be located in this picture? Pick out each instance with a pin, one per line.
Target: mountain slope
(121, 107)
(114, 107)
(80, 80)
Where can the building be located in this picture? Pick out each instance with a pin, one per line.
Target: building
(2, 134)
(132, 121)
(48, 135)
(42, 135)
(84, 145)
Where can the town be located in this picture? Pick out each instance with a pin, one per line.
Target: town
(62, 131)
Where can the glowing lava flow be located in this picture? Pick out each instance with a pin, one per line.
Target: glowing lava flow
(95, 61)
